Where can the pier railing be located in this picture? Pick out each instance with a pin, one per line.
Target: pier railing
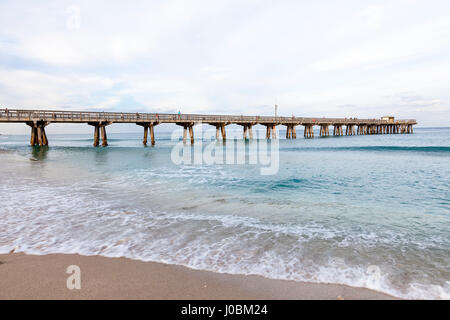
(15, 115)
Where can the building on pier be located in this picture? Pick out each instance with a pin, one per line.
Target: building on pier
(389, 119)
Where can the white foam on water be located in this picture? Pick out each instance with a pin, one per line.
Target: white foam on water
(53, 216)
(56, 220)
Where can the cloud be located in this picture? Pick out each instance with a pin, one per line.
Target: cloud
(318, 59)
(29, 88)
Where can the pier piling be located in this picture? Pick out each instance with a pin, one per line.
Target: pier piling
(100, 132)
(224, 133)
(38, 135)
(309, 131)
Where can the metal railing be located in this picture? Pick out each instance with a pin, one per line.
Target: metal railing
(17, 115)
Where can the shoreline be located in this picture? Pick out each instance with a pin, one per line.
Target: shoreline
(24, 276)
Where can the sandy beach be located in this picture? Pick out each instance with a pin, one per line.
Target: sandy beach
(44, 277)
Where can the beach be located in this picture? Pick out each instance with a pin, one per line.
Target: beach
(362, 211)
(44, 277)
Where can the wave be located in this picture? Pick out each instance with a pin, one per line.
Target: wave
(224, 244)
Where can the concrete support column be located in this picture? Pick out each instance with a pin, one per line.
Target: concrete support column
(268, 131)
(148, 127)
(324, 130)
(191, 134)
(33, 140)
(337, 130)
(291, 132)
(96, 135)
(224, 133)
(152, 134)
(104, 137)
(184, 134)
(244, 128)
(38, 135)
(217, 132)
(99, 132)
(309, 131)
(44, 137)
(144, 141)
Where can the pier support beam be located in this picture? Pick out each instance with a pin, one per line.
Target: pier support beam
(144, 140)
(191, 134)
(96, 135)
(148, 127)
(220, 129)
(224, 132)
(291, 132)
(270, 131)
(104, 137)
(324, 130)
(337, 131)
(33, 140)
(309, 131)
(100, 128)
(349, 130)
(217, 132)
(247, 130)
(38, 135)
(187, 126)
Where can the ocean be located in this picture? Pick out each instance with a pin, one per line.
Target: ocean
(367, 211)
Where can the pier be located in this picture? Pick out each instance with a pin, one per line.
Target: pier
(38, 120)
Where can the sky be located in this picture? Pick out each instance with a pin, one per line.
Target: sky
(311, 58)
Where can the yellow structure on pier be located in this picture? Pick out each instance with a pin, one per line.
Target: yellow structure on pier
(389, 119)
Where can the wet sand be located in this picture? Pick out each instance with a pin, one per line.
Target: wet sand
(44, 277)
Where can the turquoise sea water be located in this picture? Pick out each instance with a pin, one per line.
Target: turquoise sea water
(370, 211)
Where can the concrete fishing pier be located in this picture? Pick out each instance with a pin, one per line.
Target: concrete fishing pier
(39, 119)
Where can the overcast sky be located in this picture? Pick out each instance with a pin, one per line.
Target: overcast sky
(312, 58)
